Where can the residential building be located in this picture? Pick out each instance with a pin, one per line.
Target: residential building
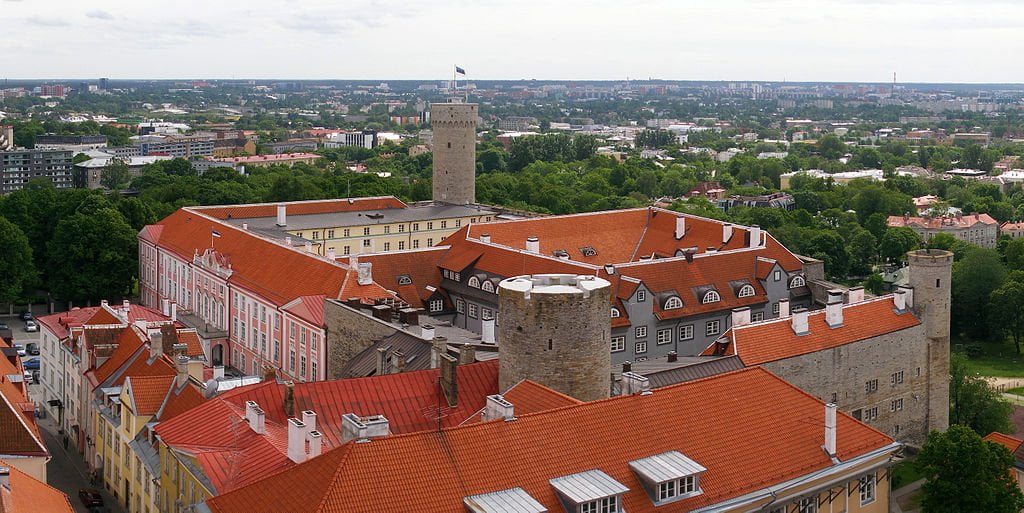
(1012, 230)
(292, 146)
(21, 444)
(364, 139)
(184, 146)
(6, 137)
(89, 173)
(981, 138)
(1013, 445)
(978, 229)
(710, 190)
(517, 123)
(18, 167)
(842, 178)
(286, 159)
(21, 492)
(574, 458)
(75, 143)
(780, 200)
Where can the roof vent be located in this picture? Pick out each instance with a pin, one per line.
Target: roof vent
(783, 308)
(485, 237)
(799, 322)
(296, 440)
(255, 417)
(503, 501)
(282, 217)
(633, 383)
(533, 244)
(834, 308)
(609, 269)
(354, 427)
(855, 295)
(899, 300)
(498, 408)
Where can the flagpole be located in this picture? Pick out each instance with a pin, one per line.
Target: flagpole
(455, 81)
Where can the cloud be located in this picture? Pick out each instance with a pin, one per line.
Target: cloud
(99, 15)
(46, 22)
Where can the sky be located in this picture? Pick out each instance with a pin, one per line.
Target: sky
(772, 40)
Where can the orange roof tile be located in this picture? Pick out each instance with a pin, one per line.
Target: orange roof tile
(421, 267)
(308, 308)
(530, 397)
(775, 340)
(755, 416)
(129, 341)
(190, 338)
(1011, 443)
(19, 434)
(180, 400)
(301, 207)
(59, 323)
(936, 223)
(148, 392)
(102, 316)
(26, 494)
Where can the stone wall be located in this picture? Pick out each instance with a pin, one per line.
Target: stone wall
(454, 152)
(349, 331)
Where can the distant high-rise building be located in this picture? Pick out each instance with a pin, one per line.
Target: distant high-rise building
(104, 83)
(454, 147)
(18, 167)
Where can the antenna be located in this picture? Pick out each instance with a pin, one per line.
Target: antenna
(441, 409)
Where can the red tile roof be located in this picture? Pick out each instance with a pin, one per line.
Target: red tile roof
(19, 434)
(1011, 443)
(212, 433)
(148, 392)
(129, 342)
(59, 323)
(180, 400)
(301, 207)
(755, 417)
(530, 397)
(308, 308)
(26, 494)
(190, 338)
(937, 223)
(773, 340)
(421, 267)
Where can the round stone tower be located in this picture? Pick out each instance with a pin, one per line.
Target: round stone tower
(931, 281)
(554, 329)
(454, 152)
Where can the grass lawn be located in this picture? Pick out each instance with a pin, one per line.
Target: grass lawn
(904, 473)
(1016, 391)
(995, 359)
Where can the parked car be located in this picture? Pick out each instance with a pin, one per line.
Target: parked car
(31, 364)
(32, 349)
(31, 326)
(91, 498)
(21, 349)
(25, 315)
(4, 326)
(28, 376)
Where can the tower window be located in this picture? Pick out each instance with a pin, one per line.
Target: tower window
(449, 145)
(937, 281)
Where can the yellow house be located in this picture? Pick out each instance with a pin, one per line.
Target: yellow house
(180, 488)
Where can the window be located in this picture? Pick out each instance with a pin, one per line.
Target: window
(474, 282)
(870, 414)
(415, 227)
(436, 305)
(777, 275)
(316, 235)
(640, 332)
(487, 286)
(686, 332)
(387, 246)
(867, 489)
(664, 336)
(618, 344)
(896, 378)
(401, 228)
(460, 306)
(291, 360)
(415, 243)
(387, 229)
(404, 279)
(458, 223)
(808, 505)
(605, 505)
(302, 366)
(746, 291)
(347, 232)
(871, 386)
(896, 405)
(474, 311)
(710, 296)
(444, 224)
(366, 231)
(640, 348)
(757, 317)
(673, 302)
(366, 243)
(641, 296)
(401, 245)
(347, 250)
(430, 225)
(677, 487)
(330, 234)
(775, 308)
(712, 328)
(797, 281)
(312, 374)
(430, 241)
(486, 314)
(615, 313)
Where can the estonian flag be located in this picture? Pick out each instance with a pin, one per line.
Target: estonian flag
(214, 232)
(460, 70)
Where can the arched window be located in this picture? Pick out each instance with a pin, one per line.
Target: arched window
(746, 291)
(797, 281)
(711, 297)
(487, 286)
(673, 302)
(473, 282)
(615, 312)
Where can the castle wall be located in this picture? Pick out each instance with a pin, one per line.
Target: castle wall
(454, 152)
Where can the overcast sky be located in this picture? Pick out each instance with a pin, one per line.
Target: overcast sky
(812, 40)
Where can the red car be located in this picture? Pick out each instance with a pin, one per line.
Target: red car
(90, 497)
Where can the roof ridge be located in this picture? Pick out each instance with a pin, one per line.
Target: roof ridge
(21, 418)
(295, 202)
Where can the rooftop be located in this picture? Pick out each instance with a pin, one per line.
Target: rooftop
(938, 223)
(25, 494)
(397, 214)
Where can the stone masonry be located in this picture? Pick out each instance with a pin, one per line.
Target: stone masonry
(454, 152)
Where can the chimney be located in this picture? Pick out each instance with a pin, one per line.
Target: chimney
(282, 217)
(800, 321)
(627, 366)
(427, 332)
(633, 383)
(909, 295)
(141, 324)
(755, 236)
(609, 269)
(316, 443)
(181, 366)
(397, 362)
(255, 417)
(354, 427)
(269, 373)
(309, 419)
(855, 295)
(439, 347)
(688, 253)
(485, 237)
(218, 371)
(245, 226)
(899, 300)
(487, 331)
(449, 381)
(830, 430)
(672, 357)
(165, 307)
(126, 305)
(498, 408)
(834, 308)
(741, 316)
(156, 345)
(467, 354)
(309, 247)
(783, 308)
(533, 244)
(174, 312)
(296, 440)
(680, 227)
(288, 241)
(382, 361)
(365, 273)
(331, 255)
(726, 232)
(288, 403)
(710, 250)
(103, 302)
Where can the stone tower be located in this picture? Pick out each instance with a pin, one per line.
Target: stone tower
(554, 330)
(931, 281)
(454, 149)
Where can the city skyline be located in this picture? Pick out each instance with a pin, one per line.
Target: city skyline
(933, 41)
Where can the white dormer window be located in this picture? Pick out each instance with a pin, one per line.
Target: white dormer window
(669, 476)
(777, 275)
(641, 296)
(797, 281)
(746, 291)
(603, 505)
(473, 282)
(615, 313)
(711, 296)
(487, 286)
(673, 303)
(592, 491)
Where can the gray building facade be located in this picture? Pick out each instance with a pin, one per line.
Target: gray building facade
(18, 167)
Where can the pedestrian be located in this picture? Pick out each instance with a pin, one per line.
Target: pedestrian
(65, 442)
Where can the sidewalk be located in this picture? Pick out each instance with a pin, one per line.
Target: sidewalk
(903, 495)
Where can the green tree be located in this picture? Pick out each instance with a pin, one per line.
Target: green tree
(16, 266)
(831, 147)
(975, 276)
(896, 242)
(966, 473)
(115, 176)
(1007, 310)
(92, 256)
(973, 402)
(1014, 253)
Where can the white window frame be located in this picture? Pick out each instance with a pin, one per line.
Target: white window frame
(807, 505)
(673, 302)
(746, 291)
(473, 281)
(665, 336)
(686, 332)
(640, 347)
(618, 344)
(473, 311)
(712, 328)
(775, 309)
(436, 305)
(615, 313)
(641, 296)
(757, 317)
(777, 275)
(487, 286)
(797, 281)
(640, 332)
(711, 296)
(867, 489)
(460, 306)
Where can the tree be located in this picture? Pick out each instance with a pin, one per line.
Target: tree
(896, 242)
(92, 256)
(966, 473)
(1008, 310)
(831, 147)
(115, 176)
(975, 276)
(1014, 253)
(973, 402)
(16, 266)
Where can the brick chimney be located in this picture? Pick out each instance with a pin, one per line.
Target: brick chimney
(427, 332)
(397, 362)
(899, 300)
(382, 361)
(181, 366)
(533, 244)
(255, 417)
(467, 354)
(169, 339)
(316, 443)
(309, 419)
(269, 373)
(498, 408)
(799, 321)
(288, 403)
(855, 295)
(440, 347)
(296, 440)
(449, 381)
(834, 308)
(364, 273)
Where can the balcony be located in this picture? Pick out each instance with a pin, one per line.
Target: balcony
(205, 330)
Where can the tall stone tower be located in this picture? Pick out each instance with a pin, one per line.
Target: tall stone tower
(554, 330)
(454, 148)
(931, 280)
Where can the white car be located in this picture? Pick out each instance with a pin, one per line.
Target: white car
(31, 326)
(21, 349)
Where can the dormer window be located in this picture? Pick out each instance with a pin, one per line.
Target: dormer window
(797, 281)
(487, 286)
(615, 313)
(641, 296)
(668, 476)
(473, 282)
(588, 251)
(404, 279)
(605, 505)
(745, 291)
(592, 491)
(710, 296)
(673, 303)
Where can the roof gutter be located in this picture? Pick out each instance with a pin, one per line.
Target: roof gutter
(773, 492)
